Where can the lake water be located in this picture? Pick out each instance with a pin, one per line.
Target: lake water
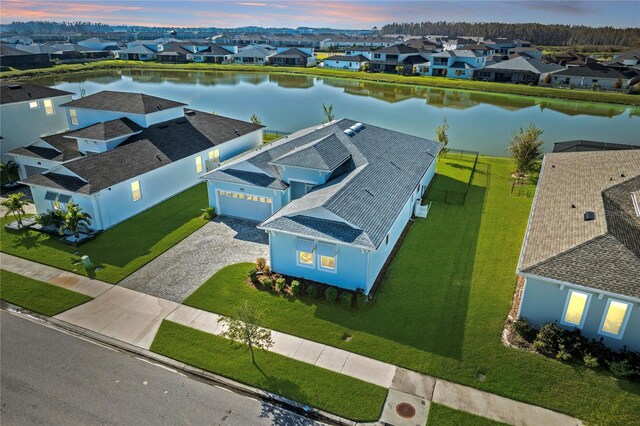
(478, 121)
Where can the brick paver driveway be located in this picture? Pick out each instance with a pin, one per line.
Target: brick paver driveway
(183, 268)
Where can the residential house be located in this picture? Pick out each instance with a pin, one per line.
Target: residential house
(293, 57)
(27, 112)
(502, 45)
(175, 54)
(580, 258)
(360, 50)
(334, 199)
(531, 52)
(137, 52)
(348, 41)
(458, 43)
(518, 70)
(344, 62)
(456, 63)
(216, 54)
(97, 43)
(70, 53)
(398, 55)
(597, 75)
(131, 152)
(254, 54)
(11, 56)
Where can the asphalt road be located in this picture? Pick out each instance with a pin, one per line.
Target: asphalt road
(50, 377)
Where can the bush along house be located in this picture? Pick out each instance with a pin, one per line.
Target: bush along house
(334, 199)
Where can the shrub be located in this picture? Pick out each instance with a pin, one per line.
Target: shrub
(312, 291)
(621, 368)
(524, 329)
(209, 213)
(261, 262)
(331, 294)
(295, 287)
(280, 283)
(563, 354)
(590, 361)
(547, 341)
(253, 275)
(52, 218)
(267, 283)
(266, 270)
(346, 299)
(361, 299)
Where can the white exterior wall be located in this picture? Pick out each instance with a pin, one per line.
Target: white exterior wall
(87, 117)
(21, 126)
(343, 65)
(605, 83)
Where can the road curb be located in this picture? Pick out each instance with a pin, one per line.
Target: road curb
(198, 373)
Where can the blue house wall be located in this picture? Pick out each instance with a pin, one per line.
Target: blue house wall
(279, 198)
(544, 301)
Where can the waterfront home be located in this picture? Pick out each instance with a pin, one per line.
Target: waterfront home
(344, 62)
(456, 63)
(96, 43)
(27, 112)
(254, 54)
(175, 54)
(531, 52)
(127, 152)
(13, 56)
(334, 199)
(359, 50)
(392, 57)
(139, 52)
(518, 70)
(293, 57)
(580, 258)
(216, 54)
(596, 75)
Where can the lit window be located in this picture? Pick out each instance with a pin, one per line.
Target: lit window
(241, 196)
(263, 200)
(304, 250)
(268, 200)
(214, 155)
(221, 192)
(228, 194)
(74, 116)
(305, 257)
(328, 262)
(198, 164)
(615, 318)
(235, 195)
(576, 308)
(33, 104)
(48, 107)
(136, 194)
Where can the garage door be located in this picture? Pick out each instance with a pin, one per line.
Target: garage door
(244, 205)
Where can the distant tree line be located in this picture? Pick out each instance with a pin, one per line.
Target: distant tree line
(51, 27)
(546, 35)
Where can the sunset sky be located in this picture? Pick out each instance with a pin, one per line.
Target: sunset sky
(336, 14)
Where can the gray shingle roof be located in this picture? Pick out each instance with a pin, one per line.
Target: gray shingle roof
(134, 103)
(398, 49)
(291, 53)
(384, 169)
(324, 154)
(592, 70)
(560, 244)
(20, 92)
(64, 149)
(244, 177)
(355, 58)
(107, 130)
(522, 64)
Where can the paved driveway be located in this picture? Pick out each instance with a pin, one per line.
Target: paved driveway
(183, 268)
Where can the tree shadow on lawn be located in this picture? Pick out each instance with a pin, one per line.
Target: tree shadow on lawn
(423, 299)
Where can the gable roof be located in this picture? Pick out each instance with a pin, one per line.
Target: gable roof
(592, 70)
(19, 92)
(355, 58)
(293, 52)
(398, 49)
(107, 130)
(133, 103)
(560, 244)
(324, 154)
(64, 149)
(139, 49)
(154, 147)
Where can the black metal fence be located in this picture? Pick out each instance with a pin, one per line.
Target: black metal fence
(453, 196)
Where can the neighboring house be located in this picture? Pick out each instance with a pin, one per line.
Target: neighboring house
(27, 112)
(389, 58)
(583, 145)
(10, 56)
(138, 52)
(294, 57)
(532, 52)
(456, 63)
(254, 54)
(343, 62)
(125, 160)
(518, 70)
(595, 74)
(581, 254)
(334, 199)
(359, 50)
(70, 52)
(216, 54)
(96, 43)
(502, 45)
(626, 59)
(175, 54)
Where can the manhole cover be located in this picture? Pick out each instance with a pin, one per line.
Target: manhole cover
(405, 410)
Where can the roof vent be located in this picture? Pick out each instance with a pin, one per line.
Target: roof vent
(190, 112)
(355, 128)
(573, 206)
(158, 107)
(349, 132)
(369, 192)
(29, 94)
(622, 175)
(589, 216)
(236, 132)
(158, 157)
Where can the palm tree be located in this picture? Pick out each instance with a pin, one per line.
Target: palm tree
(255, 119)
(328, 112)
(15, 205)
(73, 219)
(10, 169)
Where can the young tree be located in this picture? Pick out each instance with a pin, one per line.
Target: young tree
(441, 134)
(10, 170)
(618, 84)
(15, 206)
(328, 112)
(255, 119)
(526, 149)
(73, 219)
(243, 329)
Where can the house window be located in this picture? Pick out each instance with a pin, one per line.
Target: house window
(214, 155)
(327, 256)
(48, 107)
(575, 309)
(377, 56)
(459, 72)
(33, 104)
(74, 116)
(198, 164)
(304, 252)
(615, 318)
(136, 194)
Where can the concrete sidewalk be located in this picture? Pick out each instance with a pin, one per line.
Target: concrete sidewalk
(134, 318)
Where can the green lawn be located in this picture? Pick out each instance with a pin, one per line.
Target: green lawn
(481, 86)
(122, 249)
(37, 296)
(296, 380)
(441, 307)
(440, 415)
